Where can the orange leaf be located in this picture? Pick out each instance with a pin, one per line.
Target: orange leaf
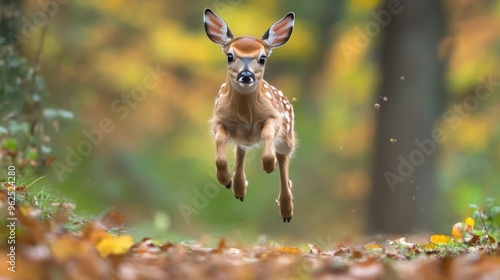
(287, 250)
(22, 189)
(457, 231)
(94, 233)
(357, 254)
(440, 239)
(491, 239)
(66, 247)
(221, 246)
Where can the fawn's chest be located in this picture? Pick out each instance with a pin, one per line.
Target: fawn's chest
(244, 116)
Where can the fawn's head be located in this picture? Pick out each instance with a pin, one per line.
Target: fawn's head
(246, 56)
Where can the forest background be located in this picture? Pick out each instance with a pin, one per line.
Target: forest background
(113, 98)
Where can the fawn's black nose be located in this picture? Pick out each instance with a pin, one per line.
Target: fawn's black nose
(246, 77)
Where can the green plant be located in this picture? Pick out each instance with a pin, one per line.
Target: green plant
(487, 218)
(24, 122)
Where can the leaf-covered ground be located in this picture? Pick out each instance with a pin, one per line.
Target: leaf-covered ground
(50, 243)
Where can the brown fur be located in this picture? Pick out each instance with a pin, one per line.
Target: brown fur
(247, 44)
(254, 113)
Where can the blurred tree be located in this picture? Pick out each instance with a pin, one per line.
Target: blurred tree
(412, 73)
(9, 11)
(322, 22)
(24, 141)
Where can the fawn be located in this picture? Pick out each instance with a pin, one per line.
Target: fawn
(249, 111)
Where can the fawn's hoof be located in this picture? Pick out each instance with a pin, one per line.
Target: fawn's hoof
(228, 186)
(269, 165)
(240, 198)
(287, 220)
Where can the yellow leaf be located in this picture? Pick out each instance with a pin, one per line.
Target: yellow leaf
(440, 239)
(115, 245)
(457, 231)
(373, 246)
(469, 221)
(429, 246)
(469, 224)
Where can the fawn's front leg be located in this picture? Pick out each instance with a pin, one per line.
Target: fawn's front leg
(285, 196)
(269, 151)
(221, 159)
(239, 180)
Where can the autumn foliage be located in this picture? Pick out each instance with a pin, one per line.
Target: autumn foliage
(50, 248)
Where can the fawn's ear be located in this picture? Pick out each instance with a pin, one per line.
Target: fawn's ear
(216, 28)
(279, 33)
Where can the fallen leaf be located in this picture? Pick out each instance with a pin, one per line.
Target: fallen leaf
(29, 211)
(440, 239)
(66, 247)
(429, 246)
(22, 189)
(469, 224)
(342, 252)
(94, 232)
(61, 216)
(221, 246)
(357, 254)
(491, 239)
(457, 231)
(166, 247)
(314, 249)
(112, 245)
(287, 250)
(373, 246)
(474, 239)
(402, 241)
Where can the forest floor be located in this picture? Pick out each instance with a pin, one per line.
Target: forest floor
(51, 242)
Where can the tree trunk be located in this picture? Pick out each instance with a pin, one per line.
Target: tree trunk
(403, 187)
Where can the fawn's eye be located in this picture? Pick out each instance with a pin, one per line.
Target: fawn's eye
(262, 59)
(230, 58)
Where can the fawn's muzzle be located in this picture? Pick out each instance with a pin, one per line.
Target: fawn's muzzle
(245, 77)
